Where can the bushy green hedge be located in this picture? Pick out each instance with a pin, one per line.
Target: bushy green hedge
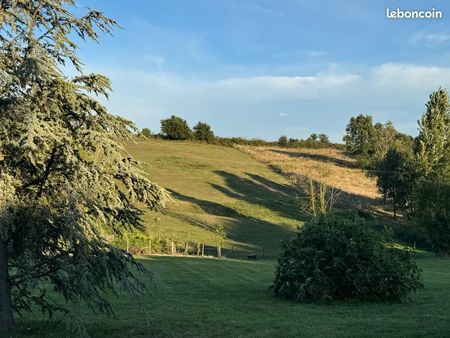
(337, 258)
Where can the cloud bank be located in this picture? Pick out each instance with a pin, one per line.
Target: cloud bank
(292, 105)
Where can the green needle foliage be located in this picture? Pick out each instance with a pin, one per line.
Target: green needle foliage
(64, 174)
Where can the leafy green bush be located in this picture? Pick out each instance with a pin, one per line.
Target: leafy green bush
(432, 204)
(337, 258)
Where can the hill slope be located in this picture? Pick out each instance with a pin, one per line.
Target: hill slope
(331, 166)
(214, 185)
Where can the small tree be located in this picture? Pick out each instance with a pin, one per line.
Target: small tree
(369, 142)
(221, 236)
(359, 138)
(283, 141)
(146, 133)
(316, 198)
(359, 134)
(323, 138)
(313, 137)
(175, 128)
(396, 177)
(203, 132)
(383, 140)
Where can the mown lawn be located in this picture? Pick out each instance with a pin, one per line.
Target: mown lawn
(197, 297)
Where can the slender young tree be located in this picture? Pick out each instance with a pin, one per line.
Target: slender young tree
(396, 176)
(65, 175)
(434, 137)
(432, 195)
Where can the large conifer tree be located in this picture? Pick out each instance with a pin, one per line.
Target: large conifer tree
(64, 173)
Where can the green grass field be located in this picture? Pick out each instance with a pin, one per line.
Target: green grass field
(214, 185)
(204, 297)
(197, 297)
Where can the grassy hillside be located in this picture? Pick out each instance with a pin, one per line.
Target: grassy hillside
(331, 166)
(197, 297)
(203, 297)
(338, 170)
(214, 185)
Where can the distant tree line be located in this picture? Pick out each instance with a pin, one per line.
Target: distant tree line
(413, 174)
(313, 141)
(177, 129)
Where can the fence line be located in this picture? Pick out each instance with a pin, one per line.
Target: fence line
(186, 248)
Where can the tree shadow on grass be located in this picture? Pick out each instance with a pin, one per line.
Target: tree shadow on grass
(250, 234)
(258, 190)
(318, 157)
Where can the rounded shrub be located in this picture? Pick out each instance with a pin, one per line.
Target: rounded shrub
(335, 258)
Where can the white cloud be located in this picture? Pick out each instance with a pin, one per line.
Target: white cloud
(410, 77)
(323, 101)
(429, 39)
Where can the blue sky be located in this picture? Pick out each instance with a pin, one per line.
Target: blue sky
(266, 68)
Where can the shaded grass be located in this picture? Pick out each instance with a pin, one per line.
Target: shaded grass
(197, 297)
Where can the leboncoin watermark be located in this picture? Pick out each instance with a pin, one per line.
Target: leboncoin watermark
(415, 14)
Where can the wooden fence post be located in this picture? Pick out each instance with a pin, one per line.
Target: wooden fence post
(173, 249)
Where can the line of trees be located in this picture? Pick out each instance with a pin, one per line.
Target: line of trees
(313, 141)
(413, 174)
(177, 128)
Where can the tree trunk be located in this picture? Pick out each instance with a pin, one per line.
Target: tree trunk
(6, 309)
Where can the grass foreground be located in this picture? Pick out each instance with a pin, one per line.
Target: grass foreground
(201, 297)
